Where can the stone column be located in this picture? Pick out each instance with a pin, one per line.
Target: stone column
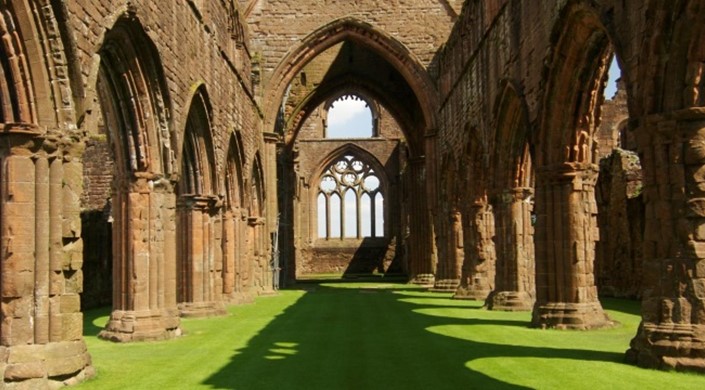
(672, 330)
(514, 241)
(450, 254)
(271, 140)
(259, 261)
(477, 279)
(420, 241)
(200, 257)
(144, 262)
(566, 232)
(41, 332)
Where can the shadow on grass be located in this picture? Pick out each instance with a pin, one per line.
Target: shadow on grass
(342, 338)
(91, 327)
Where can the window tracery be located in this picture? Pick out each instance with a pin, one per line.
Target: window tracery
(350, 200)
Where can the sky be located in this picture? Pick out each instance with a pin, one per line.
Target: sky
(614, 74)
(349, 119)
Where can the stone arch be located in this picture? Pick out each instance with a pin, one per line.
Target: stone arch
(565, 151)
(233, 222)
(372, 104)
(258, 277)
(40, 188)
(346, 85)
(511, 195)
(234, 173)
(477, 274)
(134, 98)
(17, 95)
(348, 148)
(257, 189)
(350, 28)
(670, 127)
(448, 225)
(136, 111)
(198, 226)
(197, 156)
(373, 167)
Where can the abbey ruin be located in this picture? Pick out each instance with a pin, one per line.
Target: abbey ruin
(170, 158)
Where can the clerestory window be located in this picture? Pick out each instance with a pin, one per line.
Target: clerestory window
(350, 201)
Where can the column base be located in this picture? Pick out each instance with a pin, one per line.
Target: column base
(509, 301)
(471, 293)
(148, 325)
(568, 315)
(423, 280)
(202, 309)
(678, 347)
(445, 285)
(239, 298)
(45, 366)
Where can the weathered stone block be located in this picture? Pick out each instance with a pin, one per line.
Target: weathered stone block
(699, 288)
(26, 353)
(72, 326)
(70, 303)
(23, 371)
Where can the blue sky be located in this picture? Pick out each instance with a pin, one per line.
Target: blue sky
(349, 119)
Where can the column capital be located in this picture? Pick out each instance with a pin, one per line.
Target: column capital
(568, 172)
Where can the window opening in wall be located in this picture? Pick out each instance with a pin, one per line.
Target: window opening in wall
(345, 201)
(349, 117)
(614, 74)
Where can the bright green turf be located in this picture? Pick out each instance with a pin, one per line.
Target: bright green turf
(376, 336)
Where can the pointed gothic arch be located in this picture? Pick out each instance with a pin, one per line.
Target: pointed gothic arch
(234, 224)
(198, 227)
(566, 172)
(355, 178)
(136, 112)
(349, 28)
(134, 100)
(512, 198)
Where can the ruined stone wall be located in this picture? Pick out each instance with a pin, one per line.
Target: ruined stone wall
(556, 54)
(314, 255)
(421, 25)
(195, 45)
(618, 262)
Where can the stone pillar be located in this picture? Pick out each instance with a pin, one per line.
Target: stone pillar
(477, 279)
(451, 254)
(566, 232)
(41, 332)
(200, 257)
(261, 273)
(672, 331)
(144, 262)
(514, 240)
(271, 140)
(420, 240)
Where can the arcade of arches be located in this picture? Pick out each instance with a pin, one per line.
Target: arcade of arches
(170, 158)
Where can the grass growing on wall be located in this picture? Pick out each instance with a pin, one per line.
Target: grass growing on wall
(376, 336)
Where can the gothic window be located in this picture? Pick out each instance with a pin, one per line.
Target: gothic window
(350, 202)
(349, 116)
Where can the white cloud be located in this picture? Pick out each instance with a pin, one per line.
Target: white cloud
(344, 111)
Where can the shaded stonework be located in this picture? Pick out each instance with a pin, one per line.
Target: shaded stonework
(620, 204)
(508, 91)
(478, 271)
(316, 159)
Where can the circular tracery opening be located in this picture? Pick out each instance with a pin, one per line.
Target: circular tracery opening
(350, 201)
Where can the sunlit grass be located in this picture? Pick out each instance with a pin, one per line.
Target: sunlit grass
(376, 335)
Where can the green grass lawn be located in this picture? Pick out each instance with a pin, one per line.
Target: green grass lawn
(375, 336)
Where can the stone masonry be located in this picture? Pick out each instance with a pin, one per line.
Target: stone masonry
(188, 131)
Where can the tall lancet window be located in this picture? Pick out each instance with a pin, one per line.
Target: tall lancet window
(350, 201)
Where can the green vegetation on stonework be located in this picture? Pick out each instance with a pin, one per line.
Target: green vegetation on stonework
(376, 336)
